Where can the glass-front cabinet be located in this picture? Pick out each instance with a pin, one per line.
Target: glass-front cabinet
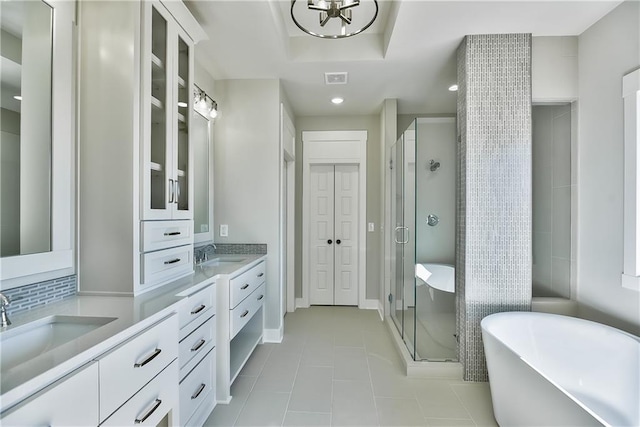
(136, 159)
(167, 159)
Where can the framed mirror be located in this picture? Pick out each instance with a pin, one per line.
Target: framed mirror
(202, 141)
(37, 139)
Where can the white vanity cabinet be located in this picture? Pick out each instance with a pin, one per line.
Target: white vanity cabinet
(70, 401)
(240, 323)
(136, 65)
(197, 356)
(138, 378)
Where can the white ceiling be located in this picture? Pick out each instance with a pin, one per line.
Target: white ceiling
(408, 54)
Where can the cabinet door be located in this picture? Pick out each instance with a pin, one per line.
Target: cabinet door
(70, 401)
(182, 207)
(167, 100)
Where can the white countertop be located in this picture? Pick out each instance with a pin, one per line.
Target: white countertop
(133, 314)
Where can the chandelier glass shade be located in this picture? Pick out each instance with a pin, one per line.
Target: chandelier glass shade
(338, 19)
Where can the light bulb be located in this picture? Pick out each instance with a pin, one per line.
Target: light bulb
(182, 104)
(337, 100)
(18, 97)
(213, 113)
(453, 88)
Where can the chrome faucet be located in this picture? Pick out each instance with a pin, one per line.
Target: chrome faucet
(204, 253)
(4, 303)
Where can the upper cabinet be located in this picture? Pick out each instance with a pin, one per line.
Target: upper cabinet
(167, 67)
(135, 153)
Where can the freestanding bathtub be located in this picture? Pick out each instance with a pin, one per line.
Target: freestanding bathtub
(553, 370)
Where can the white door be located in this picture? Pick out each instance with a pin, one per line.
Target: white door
(346, 235)
(333, 243)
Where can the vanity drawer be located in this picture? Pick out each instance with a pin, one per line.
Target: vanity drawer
(241, 286)
(163, 265)
(197, 387)
(152, 403)
(197, 343)
(239, 316)
(128, 367)
(198, 306)
(156, 235)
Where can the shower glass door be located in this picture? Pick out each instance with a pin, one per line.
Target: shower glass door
(397, 195)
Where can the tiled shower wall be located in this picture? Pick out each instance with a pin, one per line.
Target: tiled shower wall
(41, 293)
(494, 187)
(553, 186)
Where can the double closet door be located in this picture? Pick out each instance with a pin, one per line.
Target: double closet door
(333, 235)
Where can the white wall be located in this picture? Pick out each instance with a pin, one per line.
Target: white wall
(247, 173)
(607, 50)
(554, 69)
(374, 239)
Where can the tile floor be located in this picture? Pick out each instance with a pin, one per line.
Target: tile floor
(337, 367)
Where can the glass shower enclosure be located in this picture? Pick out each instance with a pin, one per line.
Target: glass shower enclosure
(423, 221)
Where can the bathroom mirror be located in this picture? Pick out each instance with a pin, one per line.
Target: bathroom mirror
(37, 141)
(203, 178)
(25, 127)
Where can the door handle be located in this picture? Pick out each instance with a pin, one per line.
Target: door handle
(329, 241)
(395, 237)
(338, 242)
(171, 191)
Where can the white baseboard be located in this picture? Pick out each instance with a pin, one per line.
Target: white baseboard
(369, 304)
(381, 310)
(273, 335)
(300, 303)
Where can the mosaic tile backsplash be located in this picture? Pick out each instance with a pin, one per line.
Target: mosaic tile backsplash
(38, 294)
(494, 187)
(231, 249)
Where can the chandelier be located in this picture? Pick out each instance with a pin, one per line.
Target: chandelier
(340, 10)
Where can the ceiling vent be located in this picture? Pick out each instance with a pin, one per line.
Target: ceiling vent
(336, 78)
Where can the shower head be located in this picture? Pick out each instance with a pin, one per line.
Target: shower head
(433, 165)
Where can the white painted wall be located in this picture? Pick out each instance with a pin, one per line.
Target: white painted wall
(374, 239)
(607, 50)
(247, 160)
(554, 69)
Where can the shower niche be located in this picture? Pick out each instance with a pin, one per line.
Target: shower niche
(423, 202)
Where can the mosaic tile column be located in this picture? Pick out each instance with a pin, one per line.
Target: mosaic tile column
(493, 262)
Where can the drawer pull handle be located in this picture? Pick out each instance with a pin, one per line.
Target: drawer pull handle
(173, 261)
(261, 274)
(198, 310)
(245, 287)
(245, 313)
(198, 391)
(173, 233)
(260, 297)
(150, 411)
(198, 345)
(155, 354)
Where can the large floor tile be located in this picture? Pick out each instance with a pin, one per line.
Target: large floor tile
(263, 409)
(399, 412)
(279, 373)
(449, 422)
(256, 362)
(304, 419)
(476, 397)
(318, 351)
(312, 390)
(350, 363)
(352, 396)
(354, 419)
(438, 400)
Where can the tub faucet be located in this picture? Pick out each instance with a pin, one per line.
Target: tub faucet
(4, 303)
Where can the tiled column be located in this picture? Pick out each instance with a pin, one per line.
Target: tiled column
(493, 270)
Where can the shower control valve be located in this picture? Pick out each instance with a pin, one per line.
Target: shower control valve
(432, 220)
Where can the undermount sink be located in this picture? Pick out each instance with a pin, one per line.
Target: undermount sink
(20, 344)
(215, 262)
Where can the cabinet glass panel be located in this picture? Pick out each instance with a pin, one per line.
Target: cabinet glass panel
(183, 126)
(158, 111)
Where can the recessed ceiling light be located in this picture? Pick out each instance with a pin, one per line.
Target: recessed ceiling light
(453, 88)
(18, 97)
(337, 100)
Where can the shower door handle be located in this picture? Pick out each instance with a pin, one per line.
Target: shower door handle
(404, 241)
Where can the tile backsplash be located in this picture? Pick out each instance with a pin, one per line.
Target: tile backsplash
(231, 249)
(38, 294)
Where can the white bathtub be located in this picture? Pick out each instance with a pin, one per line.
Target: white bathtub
(552, 370)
